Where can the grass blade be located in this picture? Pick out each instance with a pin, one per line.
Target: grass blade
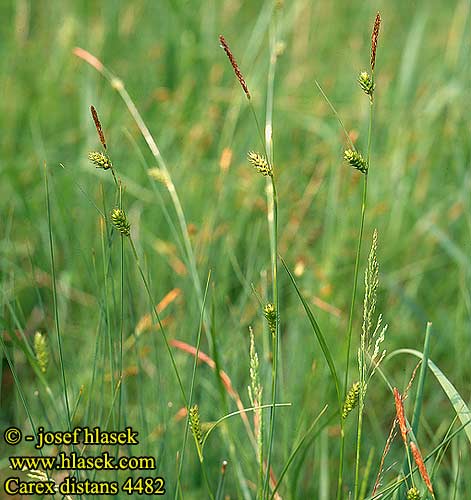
(319, 334)
(460, 407)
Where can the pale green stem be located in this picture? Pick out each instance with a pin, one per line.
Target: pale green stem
(56, 305)
(121, 333)
(362, 354)
(157, 317)
(190, 398)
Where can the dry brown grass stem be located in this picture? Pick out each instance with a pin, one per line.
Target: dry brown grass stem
(400, 415)
(421, 465)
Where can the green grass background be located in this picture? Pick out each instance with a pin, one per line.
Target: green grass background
(168, 55)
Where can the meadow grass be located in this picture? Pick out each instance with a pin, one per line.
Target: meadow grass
(147, 325)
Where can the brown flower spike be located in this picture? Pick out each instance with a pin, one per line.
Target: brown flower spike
(421, 465)
(374, 40)
(400, 415)
(99, 129)
(234, 64)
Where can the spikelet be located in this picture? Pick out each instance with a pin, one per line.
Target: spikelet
(260, 163)
(100, 160)
(255, 391)
(367, 83)
(98, 127)
(41, 349)
(351, 399)
(195, 424)
(371, 286)
(120, 221)
(196, 429)
(374, 40)
(234, 65)
(269, 312)
(159, 175)
(370, 354)
(255, 388)
(413, 494)
(356, 160)
(421, 465)
(400, 415)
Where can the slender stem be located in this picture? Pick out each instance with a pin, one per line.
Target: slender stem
(121, 333)
(275, 339)
(350, 319)
(159, 322)
(56, 306)
(192, 388)
(273, 228)
(362, 374)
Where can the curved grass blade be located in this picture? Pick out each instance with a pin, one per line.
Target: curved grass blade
(297, 448)
(460, 407)
(319, 334)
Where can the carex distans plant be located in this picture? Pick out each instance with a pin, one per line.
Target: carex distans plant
(360, 162)
(119, 220)
(263, 163)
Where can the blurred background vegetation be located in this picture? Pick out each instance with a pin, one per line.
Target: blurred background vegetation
(167, 53)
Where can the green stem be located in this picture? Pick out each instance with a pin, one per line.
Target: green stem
(190, 398)
(273, 228)
(159, 322)
(275, 339)
(56, 306)
(121, 333)
(362, 377)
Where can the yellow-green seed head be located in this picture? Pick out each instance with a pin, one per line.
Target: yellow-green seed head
(195, 424)
(260, 163)
(413, 494)
(120, 221)
(269, 312)
(367, 83)
(100, 160)
(351, 400)
(159, 175)
(356, 160)
(41, 349)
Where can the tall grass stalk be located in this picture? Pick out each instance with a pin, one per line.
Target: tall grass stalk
(190, 397)
(56, 305)
(272, 216)
(121, 326)
(374, 39)
(352, 307)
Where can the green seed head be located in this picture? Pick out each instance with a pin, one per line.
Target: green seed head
(100, 160)
(120, 221)
(269, 312)
(260, 163)
(195, 424)
(356, 160)
(41, 349)
(367, 83)
(413, 494)
(351, 400)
